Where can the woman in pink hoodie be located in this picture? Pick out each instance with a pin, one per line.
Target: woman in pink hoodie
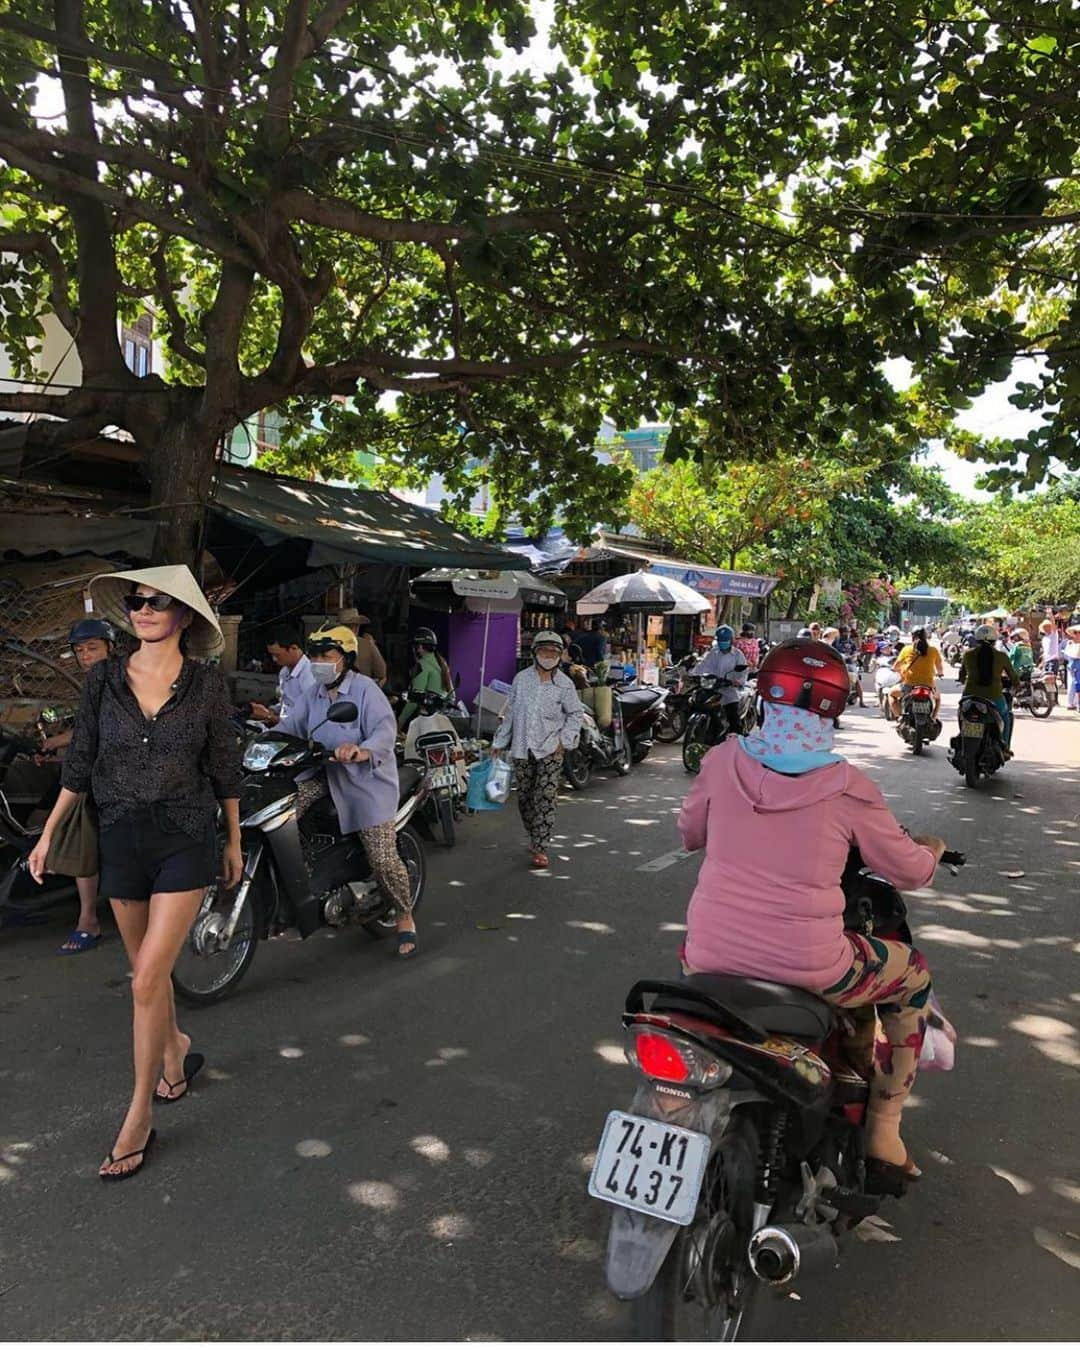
(777, 814)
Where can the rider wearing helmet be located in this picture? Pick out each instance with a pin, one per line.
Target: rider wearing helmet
(361, 776)
(726, 662)
(777, 813)
(91, 640)
(541, 721)
(430, 673)
(984, 669)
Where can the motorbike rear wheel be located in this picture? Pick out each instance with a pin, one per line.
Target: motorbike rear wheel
(411, 853)
(916, 741)
(1041, 705)
(201, 976)
(971, 761)
(623, 759)
(671, 726)
(444, 806)
(705, 1285)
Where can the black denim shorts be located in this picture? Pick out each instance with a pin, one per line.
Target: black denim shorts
(142, 856)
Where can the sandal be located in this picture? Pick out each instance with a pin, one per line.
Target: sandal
(135, 1153)
(540, 860)
(80, 941)
(407, 937)
(192, 1064)
(886, 1178)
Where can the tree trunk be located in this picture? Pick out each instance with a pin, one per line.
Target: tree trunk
(181, 470)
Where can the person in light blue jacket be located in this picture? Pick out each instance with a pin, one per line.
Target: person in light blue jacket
(541, 722)
(362, 777)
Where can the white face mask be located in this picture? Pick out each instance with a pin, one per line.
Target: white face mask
(547, 662)
(325, 672)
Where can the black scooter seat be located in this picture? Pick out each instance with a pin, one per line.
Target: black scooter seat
(775, 1007)
(408, 777)
(638, 698)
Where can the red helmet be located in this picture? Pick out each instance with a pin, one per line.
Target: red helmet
(806, 674)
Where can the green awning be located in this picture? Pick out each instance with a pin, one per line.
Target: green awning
(346, 525)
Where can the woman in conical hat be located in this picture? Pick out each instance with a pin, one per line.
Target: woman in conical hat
(153, 740)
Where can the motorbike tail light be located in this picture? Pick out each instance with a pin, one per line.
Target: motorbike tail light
(921, 691)
(437, 758)
(670, 1059)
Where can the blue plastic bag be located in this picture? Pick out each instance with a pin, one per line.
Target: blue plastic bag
(476, 798)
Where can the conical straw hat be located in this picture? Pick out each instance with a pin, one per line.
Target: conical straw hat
(108, 590)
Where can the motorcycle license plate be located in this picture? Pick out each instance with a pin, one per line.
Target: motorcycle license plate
(971, 729)
(444, 777)
(646, 1165)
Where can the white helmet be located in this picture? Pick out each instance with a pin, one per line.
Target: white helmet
(547, 637)
(892, 630)
(985, 633)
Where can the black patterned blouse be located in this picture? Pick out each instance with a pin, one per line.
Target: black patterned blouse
(185, 760)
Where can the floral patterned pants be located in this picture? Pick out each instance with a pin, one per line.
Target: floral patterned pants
(894, 978)
(380, 845)
(537, 793)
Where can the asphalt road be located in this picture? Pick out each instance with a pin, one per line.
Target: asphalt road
(400, 1152)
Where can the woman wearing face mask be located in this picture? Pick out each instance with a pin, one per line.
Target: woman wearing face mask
(430, 674)
(362, 777)
(153, 740)
(541, 722)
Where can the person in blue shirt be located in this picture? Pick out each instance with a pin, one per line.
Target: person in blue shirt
(362, 777)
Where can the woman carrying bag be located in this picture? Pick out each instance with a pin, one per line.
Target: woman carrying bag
(541, 722)
(154, 744)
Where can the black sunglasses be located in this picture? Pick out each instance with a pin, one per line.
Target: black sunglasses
(158, 603)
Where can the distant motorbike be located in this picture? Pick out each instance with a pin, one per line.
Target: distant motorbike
(1037, 693)
(302, 873)
(741, 1162)
(432, 739)
(671, 724)
(885, 678)
(979, 750)
(917, 725)
(708, 725)
(854, 670)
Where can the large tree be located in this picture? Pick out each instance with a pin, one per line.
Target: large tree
(734, 216)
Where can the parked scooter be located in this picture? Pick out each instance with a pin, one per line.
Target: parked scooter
(432, 740)
(21, 898)
(979, 750)
(297, 873)
(708, 721)
(917, 724)
(635, 712)
(741, 1161)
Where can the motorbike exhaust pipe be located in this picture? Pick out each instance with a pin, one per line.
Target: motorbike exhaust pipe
(782, 1255)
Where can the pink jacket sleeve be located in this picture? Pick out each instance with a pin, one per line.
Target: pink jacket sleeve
(694, 816)
(882, 843)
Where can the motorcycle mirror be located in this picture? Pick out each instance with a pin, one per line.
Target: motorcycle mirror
(342, 711)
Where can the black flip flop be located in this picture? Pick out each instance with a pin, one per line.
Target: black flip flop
(132, 1171)
(885, 1178)
(404, 939)
(192, 1064)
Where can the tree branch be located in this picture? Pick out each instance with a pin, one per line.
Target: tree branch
(163, 289)
(74, 403)
(277, 126)
(78, 45)
(98, 279)
(36, 241)
(335, 214)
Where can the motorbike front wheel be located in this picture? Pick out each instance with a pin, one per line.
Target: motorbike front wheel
(623, 758)
(206, 971)
(671, 726)
(693, 750)
(705, 1285)
(577, 768)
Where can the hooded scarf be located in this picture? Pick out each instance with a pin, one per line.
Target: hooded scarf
(792, 740)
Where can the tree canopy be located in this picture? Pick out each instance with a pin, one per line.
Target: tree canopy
(730, 217)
